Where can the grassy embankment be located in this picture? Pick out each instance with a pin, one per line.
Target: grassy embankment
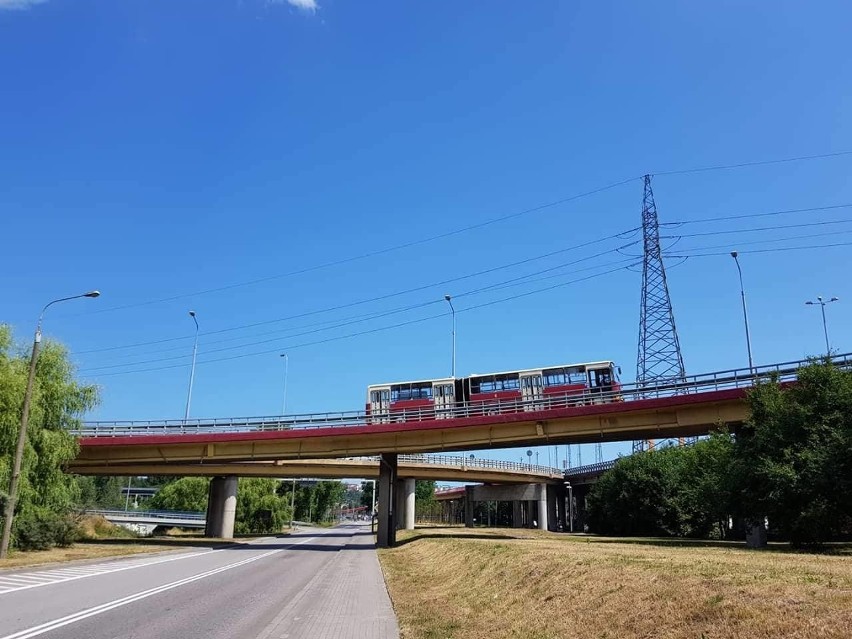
(464, 584)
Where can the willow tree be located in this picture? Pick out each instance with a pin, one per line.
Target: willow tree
(58, 403)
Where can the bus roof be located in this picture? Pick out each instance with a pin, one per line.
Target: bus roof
(446, 380)
(586, 365)
(449, 380)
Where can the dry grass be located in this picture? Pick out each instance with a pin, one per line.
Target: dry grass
(449, 584)
(76, 552)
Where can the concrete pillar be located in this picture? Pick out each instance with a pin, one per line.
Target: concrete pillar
(517, 514)
(468, 506)
(552, 515)
(409, 504)
(221, 507)
(542, 507)
(386, 536)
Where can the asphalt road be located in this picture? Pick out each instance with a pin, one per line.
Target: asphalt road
(314, 584)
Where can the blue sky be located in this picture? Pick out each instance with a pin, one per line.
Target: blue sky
(155, 150)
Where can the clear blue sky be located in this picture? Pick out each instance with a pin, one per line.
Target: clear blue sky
(159, 149)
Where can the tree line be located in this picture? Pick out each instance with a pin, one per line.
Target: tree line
(790, 464)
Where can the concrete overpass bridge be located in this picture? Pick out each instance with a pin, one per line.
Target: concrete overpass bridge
(145, 522)
(435, 467)
(689, 407)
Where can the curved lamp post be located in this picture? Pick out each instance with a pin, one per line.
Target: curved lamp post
(192, 370)
(22, 432)
(734, 255)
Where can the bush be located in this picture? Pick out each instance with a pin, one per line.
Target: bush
(42, 531)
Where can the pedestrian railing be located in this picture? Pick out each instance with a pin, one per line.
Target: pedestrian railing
(150, 515)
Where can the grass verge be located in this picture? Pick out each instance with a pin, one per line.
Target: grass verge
(454, 584)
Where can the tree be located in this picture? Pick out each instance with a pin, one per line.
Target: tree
(187, 494)
(259, 508)
(367, 494)
(792, 460)
(58, 402)
(101, 492)
(424, 491)
(683, 491)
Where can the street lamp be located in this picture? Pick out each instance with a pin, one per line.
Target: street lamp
(22, 431)
(570, 506)
(192, 370)
(284, 400)
(745, 312)
(824, 325)
(453, 309)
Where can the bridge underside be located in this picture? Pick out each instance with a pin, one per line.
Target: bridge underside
(678, 416)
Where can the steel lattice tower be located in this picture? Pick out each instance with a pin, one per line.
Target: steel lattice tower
(659, 359)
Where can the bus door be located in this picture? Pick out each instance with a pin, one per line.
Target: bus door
(443, 394)
(600, 383)
(380, 405)
(532, 391)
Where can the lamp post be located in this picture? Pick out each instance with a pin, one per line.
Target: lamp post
(822, 305)
(570, 506)
(192, 370)
(734, 255)
(22, 431)
(284, 399)
(453, 309)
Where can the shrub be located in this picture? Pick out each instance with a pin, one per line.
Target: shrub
(42, 531)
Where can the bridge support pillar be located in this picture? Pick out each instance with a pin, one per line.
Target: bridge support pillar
(408, 494)
(552, 509)
(468, 506)
(386, 536)
(542, 507)
(517, 514)
(221, 507)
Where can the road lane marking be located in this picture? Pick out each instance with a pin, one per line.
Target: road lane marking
(35, 631)
(25, 581)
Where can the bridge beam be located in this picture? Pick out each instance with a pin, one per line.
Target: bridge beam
(221, 507)
(386, 535)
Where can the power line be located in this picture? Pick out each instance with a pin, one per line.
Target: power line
(364, 256)
(366, 332)
(753, 242)
(619, 235)
(523, 280)
(772, 250)
(762, 228)
(722, 167)
(743, 216)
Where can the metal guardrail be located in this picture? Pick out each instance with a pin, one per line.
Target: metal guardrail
(590, 469)
(151, 515)
(486, 464)
(692, 384)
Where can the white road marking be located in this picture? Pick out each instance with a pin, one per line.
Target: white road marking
(25, 581)
(35, 631)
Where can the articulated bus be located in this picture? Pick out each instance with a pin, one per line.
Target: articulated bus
(512, 391)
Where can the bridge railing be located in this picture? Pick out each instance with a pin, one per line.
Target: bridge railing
(150, 514)
(487, 464)
(589, 469)
(714, 381)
